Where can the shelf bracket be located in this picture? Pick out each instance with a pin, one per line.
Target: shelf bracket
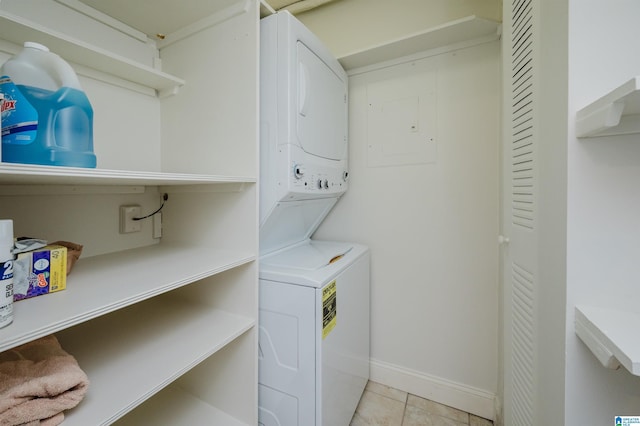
(170, 91)
(616, 113)
(600, 350)
(611, 335)
(607, 116)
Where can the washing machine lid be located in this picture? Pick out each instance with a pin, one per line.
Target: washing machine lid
(310, 256)
(311, 263)
(291, 222)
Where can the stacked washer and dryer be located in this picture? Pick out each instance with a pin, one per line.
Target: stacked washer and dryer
(314, 295)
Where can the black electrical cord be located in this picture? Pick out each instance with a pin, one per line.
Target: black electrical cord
(165, 197)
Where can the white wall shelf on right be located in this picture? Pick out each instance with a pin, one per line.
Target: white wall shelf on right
(616, 113)
(612, 336)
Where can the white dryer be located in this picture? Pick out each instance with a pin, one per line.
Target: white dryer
(303, 132)
(314, 295)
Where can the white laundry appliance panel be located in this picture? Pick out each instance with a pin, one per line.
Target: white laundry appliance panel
(293, 221)
(313, 372)
(321, 105)
(303, 119)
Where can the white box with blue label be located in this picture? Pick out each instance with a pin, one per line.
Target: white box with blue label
(41, 271)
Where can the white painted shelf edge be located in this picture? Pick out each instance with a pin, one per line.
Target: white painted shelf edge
(12, 173)
(135, 353)
(460, 30)
(174, 406)
(612, 336)
(616, 113)
(17, 29)
(102, 284)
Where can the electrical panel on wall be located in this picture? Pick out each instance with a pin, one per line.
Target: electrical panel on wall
(401, 119)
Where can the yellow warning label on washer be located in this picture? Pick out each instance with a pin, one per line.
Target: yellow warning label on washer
(329, 308)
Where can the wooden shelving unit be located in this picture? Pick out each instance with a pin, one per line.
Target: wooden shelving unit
(17, 29)
(141, 312)
(103, 284)
(160, 340)
(174, 405)
(11, 173)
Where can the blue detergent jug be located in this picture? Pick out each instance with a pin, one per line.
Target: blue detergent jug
(46, 119)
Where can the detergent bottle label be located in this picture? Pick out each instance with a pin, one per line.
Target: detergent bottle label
(19, 117)
(6, 293)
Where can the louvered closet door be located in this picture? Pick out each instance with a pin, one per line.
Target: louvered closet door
(520, 211)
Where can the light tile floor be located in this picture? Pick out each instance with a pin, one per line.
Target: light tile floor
(384, 406)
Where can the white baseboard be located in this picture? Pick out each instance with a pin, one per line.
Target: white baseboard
(466, 398)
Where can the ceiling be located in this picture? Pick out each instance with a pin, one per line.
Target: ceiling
(158, 16)
(167, 16)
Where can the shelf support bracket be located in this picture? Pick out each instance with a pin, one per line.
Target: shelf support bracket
(605, 117)
(171, 91)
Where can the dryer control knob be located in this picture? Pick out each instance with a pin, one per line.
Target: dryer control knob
(345, 175)
(319, 183)
(298, 171)
(325, 184)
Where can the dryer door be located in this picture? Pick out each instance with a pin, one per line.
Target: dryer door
(321, 114)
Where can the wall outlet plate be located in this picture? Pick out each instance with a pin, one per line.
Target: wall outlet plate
(127, 224)
(157, 225)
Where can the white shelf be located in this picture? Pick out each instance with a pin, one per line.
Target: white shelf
(174, 406)
(612, 336)
(616, 113)
(11, 173)
(18, 30)
(131, 355)
(460, 30)
(102, 284)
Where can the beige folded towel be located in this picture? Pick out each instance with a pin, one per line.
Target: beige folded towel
(38, 381)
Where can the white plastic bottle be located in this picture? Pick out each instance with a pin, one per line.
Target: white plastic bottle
(6, 272)
(47, 118)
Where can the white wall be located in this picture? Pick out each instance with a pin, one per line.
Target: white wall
(432, 230)
(603, 205)
(432, 227)
(601, 208)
